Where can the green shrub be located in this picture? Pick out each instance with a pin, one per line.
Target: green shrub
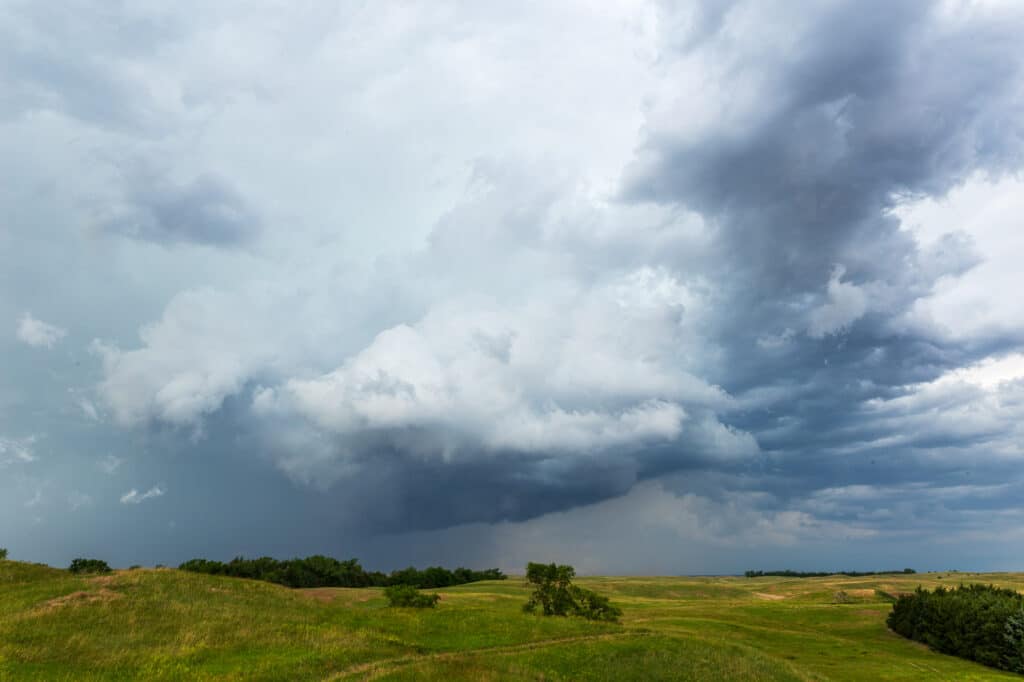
(89, 566)
(409, 596)
(3, 553)
(594, 606)
(982, 623)
(555, 594)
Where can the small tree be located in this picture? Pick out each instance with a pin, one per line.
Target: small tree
(89, 566)
(553, 591)
(3, 553)
(557, 596)
(409, 596)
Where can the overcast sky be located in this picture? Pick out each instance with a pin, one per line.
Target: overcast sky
(645, 287)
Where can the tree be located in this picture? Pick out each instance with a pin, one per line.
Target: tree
(89, 566)
(552, 591)
(3, 553)
(555, 594)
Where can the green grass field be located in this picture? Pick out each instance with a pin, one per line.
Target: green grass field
(169, 625)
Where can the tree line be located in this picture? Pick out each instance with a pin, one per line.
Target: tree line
(821, 574)
(324, 571)
(982, 623)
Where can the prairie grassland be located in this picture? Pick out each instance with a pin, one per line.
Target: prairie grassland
(169, 625)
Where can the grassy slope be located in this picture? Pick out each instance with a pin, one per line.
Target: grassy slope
(164, 624)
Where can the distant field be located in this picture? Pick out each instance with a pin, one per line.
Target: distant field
(169, 625)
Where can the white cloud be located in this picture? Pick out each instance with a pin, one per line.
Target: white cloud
(88, 409)
(110, 464)
(990, 372)
(199, 353)
(134, 497)
(982, 302)
(978, 407)
(37, 333)
(572, 366)
(591, 371)
(17, 451)
(846, 304)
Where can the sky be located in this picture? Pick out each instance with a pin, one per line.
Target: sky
(645, 287)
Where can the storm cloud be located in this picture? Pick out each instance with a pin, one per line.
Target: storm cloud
(455, 282)
(205, 210)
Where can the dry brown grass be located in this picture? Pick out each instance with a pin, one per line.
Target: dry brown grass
(79, 598)
(345, 595)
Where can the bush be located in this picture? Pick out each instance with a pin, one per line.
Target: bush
(594, 606)
(3, 553)
(555, 594)
(89, 566)
(409, 596)
(982, 623)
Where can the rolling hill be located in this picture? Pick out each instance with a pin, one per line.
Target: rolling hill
(165, 624)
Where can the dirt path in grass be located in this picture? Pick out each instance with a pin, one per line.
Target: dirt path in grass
(375, 669)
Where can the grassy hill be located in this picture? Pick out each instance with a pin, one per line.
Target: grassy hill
(169, 625)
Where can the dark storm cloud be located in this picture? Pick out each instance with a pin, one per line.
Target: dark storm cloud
(206, 210)
(428, 477)
(872, 103)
